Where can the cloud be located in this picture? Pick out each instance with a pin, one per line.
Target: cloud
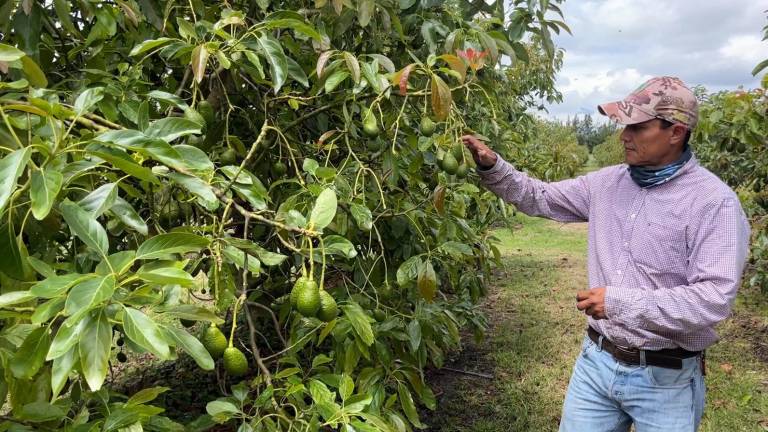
(618, 44)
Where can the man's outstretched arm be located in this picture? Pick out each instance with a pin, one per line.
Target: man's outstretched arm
(564, 201)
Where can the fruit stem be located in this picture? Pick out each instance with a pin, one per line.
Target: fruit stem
(234, 320)
(322, 271)
(311, 259)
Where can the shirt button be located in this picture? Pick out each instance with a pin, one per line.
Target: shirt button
(626, 244)
(632, 216)
(618, 272)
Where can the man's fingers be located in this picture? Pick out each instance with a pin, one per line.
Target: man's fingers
(584, 304)
(583, 295)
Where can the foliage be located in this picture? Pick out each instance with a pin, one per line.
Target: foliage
(168, 162)
(731, 141)
(551, 153)
(763, 64)
(610, 151)
(589, 134)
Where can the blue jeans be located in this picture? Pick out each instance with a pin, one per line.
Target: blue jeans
(605, 395)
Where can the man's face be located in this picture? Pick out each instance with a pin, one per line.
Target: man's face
(648, 144)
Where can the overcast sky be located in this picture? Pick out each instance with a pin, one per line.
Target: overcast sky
(618, 44)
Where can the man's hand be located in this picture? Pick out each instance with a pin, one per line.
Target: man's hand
(483, 156)
(592, 302)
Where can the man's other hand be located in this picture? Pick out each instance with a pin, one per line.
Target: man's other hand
(592, 302)
(483, 156)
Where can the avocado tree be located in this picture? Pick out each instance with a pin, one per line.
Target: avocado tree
(731, 141)
(272, 188)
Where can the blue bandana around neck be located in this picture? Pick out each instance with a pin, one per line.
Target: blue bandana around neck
(648, 177)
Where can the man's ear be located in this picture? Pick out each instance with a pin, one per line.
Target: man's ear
(678, 135)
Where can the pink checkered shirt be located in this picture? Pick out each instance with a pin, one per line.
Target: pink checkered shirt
(670, 256)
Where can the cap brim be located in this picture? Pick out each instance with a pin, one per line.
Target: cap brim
(624, 113)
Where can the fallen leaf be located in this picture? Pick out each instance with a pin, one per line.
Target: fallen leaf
(726, 367)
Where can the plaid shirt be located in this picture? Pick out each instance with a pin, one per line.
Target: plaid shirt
(670, 256)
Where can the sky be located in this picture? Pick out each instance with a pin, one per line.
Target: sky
(618, 44)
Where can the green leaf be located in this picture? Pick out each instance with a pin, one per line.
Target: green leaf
(83, 296)
(408, 270)
(427, 281)
(762, 65)
(63, 9)
(57, 285)
(126, 213)
(148, 45)
(171, 243)
(441, 98)
(41, 267)
(352, 65)
(199, 62)
(61, 368)
(44, 187)
(85, 227)
(365, 11)
(221, 409)
(455, 249)
(143, 331)
(66, 337)
(360, 321)
(168, 98)
(338, 245)
(40, 412)
(237, 257)
(296, 72)
(99, 200)
(11, 168)
(362, 216)
(145, 395)
(168, 129)
(30, 356)
(334, 80)
(192, 346)
(9, 53)
(197, 187)
(94, 348)
(15, 297)
(44, 312)
(409, 408)
(293, 21)
(167, 276)
(324, 209)
(414, 334)
(191, 312)
(278, 65)
(121, 160)
(14, 253)
(269, 258)
(195, 158)
(346, 387)
(34, 74)
(88, 98)
(319, 392)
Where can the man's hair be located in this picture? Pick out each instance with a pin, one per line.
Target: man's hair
(666, 124)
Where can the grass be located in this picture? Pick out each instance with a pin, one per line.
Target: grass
(535, 335)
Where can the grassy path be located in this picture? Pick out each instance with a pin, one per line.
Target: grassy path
(536, 331)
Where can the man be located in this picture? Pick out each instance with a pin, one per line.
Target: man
(667, 245)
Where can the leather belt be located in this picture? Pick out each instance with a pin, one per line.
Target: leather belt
(666, 358)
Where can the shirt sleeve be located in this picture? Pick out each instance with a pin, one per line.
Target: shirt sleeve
(716, 262)
(564, 201)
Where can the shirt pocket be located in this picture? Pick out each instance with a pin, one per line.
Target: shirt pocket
(660, 249)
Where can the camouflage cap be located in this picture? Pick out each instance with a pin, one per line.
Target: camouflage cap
(665, 98)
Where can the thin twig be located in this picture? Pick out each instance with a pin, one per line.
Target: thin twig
(477, 374)
(274, 320)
